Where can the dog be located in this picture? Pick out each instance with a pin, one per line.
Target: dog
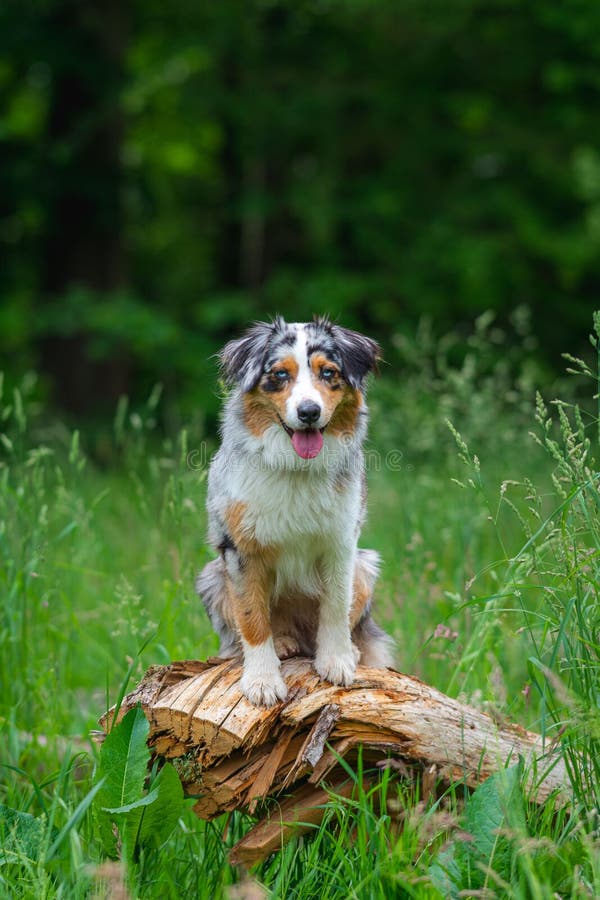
(286, 503)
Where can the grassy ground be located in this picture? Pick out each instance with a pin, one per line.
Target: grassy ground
(491, 543)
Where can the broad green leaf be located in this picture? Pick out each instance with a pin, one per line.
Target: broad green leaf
(142, 819)
(160, 819)
(446, 873)
(123, 764)
(150, 824)
(143, 801)
(21, 835)
(124, 760)
(496, 807)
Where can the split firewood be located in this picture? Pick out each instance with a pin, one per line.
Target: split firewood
(232, 755)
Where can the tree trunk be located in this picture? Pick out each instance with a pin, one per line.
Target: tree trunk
(232, 755)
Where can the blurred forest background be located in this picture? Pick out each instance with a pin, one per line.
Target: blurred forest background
(170, 171)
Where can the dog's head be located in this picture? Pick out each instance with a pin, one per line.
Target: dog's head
(303, 377)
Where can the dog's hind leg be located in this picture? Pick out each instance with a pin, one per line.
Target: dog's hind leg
(374, 645)
(212, 588)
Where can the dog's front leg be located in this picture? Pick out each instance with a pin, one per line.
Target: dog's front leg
(250, 586)
(336, 656)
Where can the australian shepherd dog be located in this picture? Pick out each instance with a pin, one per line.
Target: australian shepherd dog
(286, 502)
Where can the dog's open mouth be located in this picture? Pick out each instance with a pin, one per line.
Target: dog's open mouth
(307, 443)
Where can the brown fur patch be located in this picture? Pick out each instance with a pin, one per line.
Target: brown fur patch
(259, 412)
(344, 411)
(234, 519)
(362, 595)
(243, 536)
(295, 615)
(340, 401)
(263, 408)
(250, 607)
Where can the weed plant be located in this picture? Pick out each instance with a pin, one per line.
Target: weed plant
(484, 505)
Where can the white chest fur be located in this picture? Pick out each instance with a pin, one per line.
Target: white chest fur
(283, 507)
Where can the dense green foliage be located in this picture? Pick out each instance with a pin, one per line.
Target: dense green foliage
(171, 171)
(491, 544)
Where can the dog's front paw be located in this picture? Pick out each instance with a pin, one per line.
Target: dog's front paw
(264, 690)
(339, 668)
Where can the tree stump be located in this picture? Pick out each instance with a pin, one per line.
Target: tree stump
(232, 755)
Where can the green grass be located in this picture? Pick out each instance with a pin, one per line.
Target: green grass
(491, 545)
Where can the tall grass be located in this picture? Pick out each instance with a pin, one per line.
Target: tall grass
(490, 539)
(549, 588)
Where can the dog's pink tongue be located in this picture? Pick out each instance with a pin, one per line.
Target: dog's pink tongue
(307, 444)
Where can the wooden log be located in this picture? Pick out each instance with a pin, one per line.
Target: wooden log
(232, 755)
(296, 815)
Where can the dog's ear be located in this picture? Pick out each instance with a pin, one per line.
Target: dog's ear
(242, 360)
(359, 354)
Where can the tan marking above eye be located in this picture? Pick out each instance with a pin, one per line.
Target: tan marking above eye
(319, 361)
(288, 364)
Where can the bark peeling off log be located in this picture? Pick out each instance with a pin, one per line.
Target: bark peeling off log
(315, 742)
(231, 755)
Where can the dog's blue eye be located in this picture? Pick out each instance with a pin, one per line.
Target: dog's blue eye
(327, 374)
(281, 374)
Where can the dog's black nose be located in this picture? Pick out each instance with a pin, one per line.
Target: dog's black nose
(308, 412)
